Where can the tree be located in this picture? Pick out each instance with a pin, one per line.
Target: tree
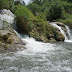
(39, 2)
(55, 11)
(17, 3)
(6, 4)
(34, 8)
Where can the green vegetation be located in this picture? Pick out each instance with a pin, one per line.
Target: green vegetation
(32, 18)
(6, 4)
(24, 18)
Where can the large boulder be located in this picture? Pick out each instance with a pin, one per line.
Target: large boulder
(9, 41)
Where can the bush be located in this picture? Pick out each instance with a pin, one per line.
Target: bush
(22, 24)
(19, 10)
(24, 18)
(40, 25)
(42, 16)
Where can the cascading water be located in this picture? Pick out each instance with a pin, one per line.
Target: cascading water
(38, 57)
(69, 33)
(33, 45)
(62, 31)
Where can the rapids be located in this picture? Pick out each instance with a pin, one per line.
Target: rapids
(38, 57)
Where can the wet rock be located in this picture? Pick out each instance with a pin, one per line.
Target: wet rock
(10, 42)
(59, 37)
(52, 40)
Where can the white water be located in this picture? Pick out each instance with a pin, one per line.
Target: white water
(68, 31)
(34, 46)
(7, 15)
(38, 57)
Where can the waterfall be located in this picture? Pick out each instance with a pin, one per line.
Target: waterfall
(34, 46)
(31, 41)
(68, 31)
(63, 32)
(58, 27)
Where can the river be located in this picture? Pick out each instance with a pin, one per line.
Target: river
(38, 57)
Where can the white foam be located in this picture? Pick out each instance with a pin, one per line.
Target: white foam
(34, 46)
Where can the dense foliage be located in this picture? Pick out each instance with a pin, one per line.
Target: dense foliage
(6, 4)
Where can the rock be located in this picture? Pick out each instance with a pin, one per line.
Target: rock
(59, 36)
(7, 19)
(10, 42)
(63, 27)
(60, 24)
(52, 40)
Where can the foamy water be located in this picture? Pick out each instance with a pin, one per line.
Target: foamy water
(38, 57)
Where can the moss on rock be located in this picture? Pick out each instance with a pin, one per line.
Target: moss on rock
(42, 31)
(8, 37)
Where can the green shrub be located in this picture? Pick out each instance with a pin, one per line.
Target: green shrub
(24, 18)
(22, 11)
(42, 16)
(22, 24)
(40, 25)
